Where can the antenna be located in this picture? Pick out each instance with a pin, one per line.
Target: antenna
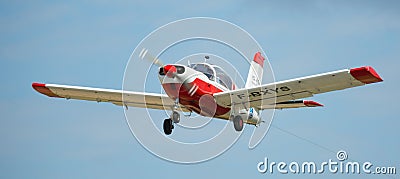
(206, 58)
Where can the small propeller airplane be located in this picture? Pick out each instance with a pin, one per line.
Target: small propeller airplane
(209, 91)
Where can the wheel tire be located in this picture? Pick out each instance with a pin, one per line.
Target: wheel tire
(176, 117)
(238, 123)
(168, 126)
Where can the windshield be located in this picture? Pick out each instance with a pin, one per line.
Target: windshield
(223, 78)
(205, 69)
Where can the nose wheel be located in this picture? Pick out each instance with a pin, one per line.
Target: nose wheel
(168, 124)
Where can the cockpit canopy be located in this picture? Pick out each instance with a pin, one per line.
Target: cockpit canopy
(214, 73)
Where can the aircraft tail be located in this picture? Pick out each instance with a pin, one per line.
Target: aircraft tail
(254, 77)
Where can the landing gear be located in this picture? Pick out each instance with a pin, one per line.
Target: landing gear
(168, 124)
(238, 123)
(175, 117)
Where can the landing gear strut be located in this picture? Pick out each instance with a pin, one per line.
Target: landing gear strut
(175, 117)
(168, 124)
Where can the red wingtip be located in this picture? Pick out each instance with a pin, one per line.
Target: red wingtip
(41, 88)
(312, 104)
(365, 74)
(34, 85)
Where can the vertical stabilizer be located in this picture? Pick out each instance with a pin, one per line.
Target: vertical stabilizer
(254, 77)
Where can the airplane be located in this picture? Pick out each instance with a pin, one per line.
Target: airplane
(208, 90)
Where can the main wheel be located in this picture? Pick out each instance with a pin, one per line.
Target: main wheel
(168, 126)
(176, 117)
(238, 123)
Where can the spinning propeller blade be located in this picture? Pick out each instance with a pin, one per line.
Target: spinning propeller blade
(146, 55)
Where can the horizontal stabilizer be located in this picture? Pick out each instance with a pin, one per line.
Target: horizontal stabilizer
(297, 104)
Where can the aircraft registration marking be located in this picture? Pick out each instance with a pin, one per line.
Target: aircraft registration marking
(263, 92)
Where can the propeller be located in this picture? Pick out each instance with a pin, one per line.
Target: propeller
(169, 70)
(144, 54)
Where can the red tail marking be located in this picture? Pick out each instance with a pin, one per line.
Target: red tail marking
(258, 58)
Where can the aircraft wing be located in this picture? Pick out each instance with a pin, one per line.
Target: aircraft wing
(288, 92)
(134, 99)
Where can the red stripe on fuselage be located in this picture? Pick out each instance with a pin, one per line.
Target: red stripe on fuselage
(189, 95)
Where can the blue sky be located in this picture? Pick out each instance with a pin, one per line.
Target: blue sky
(89, 43)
